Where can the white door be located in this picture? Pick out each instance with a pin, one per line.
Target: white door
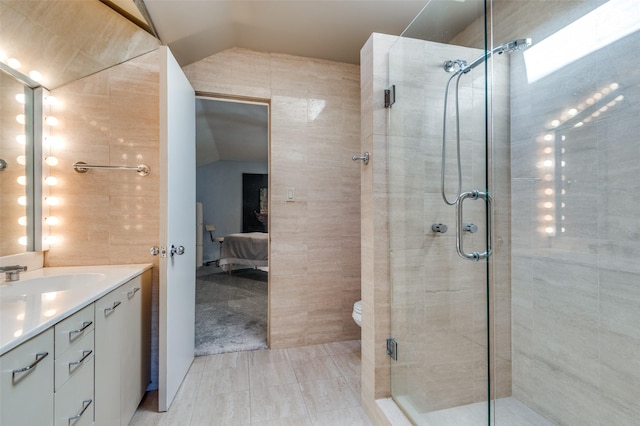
(177, 223)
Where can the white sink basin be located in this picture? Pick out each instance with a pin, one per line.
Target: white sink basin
(49, 284)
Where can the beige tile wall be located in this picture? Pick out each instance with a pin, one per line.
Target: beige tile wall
(108, 216)
(314, 270)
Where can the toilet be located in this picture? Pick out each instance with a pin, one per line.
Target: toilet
(357, 313)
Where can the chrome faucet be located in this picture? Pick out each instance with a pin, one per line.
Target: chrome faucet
(12, 273)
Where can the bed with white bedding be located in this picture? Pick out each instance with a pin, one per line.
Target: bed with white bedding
(251, 248)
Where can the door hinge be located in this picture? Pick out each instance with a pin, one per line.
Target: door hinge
(392, 348)
(390, 96)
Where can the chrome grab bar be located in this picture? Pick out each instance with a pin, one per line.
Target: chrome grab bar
(82, 167)
(460, 226)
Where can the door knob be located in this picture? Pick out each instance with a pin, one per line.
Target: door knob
(177, 250)
(154, 251)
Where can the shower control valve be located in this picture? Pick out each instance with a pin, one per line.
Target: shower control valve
(439, 227)
(470, 227)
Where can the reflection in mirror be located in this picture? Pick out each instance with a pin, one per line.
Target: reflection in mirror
(15, 104)
(47, 44)
(56, 42)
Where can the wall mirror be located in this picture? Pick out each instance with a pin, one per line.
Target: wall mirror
(47, 44)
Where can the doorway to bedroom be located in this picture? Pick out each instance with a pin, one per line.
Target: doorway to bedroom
(232, 191)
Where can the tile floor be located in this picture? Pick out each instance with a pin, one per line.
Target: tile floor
(305, 386)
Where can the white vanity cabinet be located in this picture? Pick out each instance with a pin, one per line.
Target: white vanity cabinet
(26, 390)
(123, 339)
(88, 365)
(74, 355)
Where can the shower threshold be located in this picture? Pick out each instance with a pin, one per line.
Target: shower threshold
(507, 412)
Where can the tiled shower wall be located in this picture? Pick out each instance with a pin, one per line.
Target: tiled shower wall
(314, 265)
(575, 233)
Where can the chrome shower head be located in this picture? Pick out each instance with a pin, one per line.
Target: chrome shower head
(508, 47)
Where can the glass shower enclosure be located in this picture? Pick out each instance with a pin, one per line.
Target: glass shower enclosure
(513, 232)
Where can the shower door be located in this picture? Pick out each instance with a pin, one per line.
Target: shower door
(446, 307)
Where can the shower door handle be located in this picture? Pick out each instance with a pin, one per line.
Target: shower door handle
(474, 195)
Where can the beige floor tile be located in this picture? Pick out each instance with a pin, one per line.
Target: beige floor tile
(226, 409)
(190, 386)
(354, 384)
(289, 421)
(339, 348)
(228, 360)
(277, 402)
(271, 374)
(353, 416)
(225, 380)
(348, 364)
(307, 352)
(309, 370)
(267, 356)
(327, 395)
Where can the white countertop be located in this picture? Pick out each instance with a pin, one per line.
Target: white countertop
(35, 303)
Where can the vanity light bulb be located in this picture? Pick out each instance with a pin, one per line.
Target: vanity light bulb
(51, 180)
(51, 120)
(51, 201)
(22, 180)
(21, 139)
(22, 200)
(14, 63)
(22, 240)
(21, 159)
(20, 118)
(21, 98)
(51, 220)
(51, 161)
(35, 76)
(22, 221)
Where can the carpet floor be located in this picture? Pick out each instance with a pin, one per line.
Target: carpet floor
(231, 312)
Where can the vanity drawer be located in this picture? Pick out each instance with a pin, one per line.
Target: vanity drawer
(74, 361)
(74, 401)
(71, 330)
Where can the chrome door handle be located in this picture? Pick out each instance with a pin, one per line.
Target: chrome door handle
(85, 404)
(85, 354)
(85, 325)
(177, 250)
(29, 368)
(154, 251)
(109, 311)
(461, 227)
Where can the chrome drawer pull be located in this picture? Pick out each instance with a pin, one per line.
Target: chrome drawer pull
(109, 311)
(85, 404)
(29, 368)
(85, 325)
(133, 292)
(85, 355)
